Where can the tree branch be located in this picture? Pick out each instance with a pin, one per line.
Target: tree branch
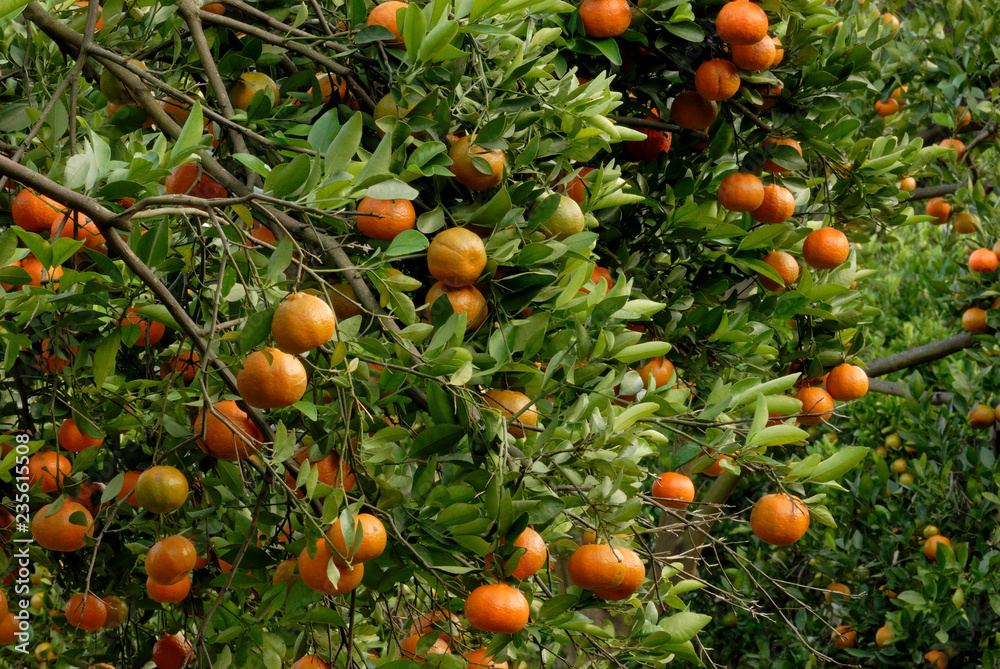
(920, 355)
(892, 388)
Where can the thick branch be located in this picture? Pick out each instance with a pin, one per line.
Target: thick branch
(893, 388)
(920, 355)
(630, 122)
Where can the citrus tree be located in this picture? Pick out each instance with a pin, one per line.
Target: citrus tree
(246, 429)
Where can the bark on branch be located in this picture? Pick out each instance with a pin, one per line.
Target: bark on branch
(920, 355)
(896, 390)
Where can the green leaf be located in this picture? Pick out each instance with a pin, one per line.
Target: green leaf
(392, 189)
(627, 418)
(685, 625)
(838, 464)
(256, 330)
(636, 352)
(405, 243)
(345, 145)
(105, 355)
(189, 141)
(287, 178)
(439, 36)
(761, 236)
(778, 435)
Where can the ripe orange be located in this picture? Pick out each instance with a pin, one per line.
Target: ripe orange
(244, 90)
(35, 212)
(332, 471)
(171, 651)
(816, 403)
(169, 594)
(884, 636)
(271, 379)
(372, 540)
(465, 300)
(777, 207)
(974, 320)
(579, 186)
(938, 208)
(844, 637)
(326, 83)
(228, 436)
(741, 192)
(785, 265)
(931, 546)
(769, 93)
(635, 574)
(847, 382)
(741, 23)
(535, 554)
(385, 15)
(262, 234)
(161, 489)
(72, 439)
(117, 611)
(477, 659)
(660, 369)
(673, 489)
(887, 108)
(605, 18)
(690, 110)
(956, 144)
(189, 179)
(45, 654)
(216, 8)
(907, 183)
(715, 469)
(836, 588)
(891, 20)
(310, 662)
(497, 608)
(78, 226)
(286, 572)
(649, 149)
(153, 330)
(963, 116)
(456, 257)
(437, 621)
(826, 248)
(981, 417)
(779, 519)
(186, 364)
(983, 261)
(170, 560)
(772, 166)
(466, 173)
(302, 322)
(8, 628)
(717, 79)
(384, 219)
(49, 470)
(344, 302)
(511, 402)
(57, 532)
(314, 571)
(86, 612)
(937, 658)
(779, 52)
(39, 274)
(965, 223)
(99, 23)
(597, 567)
(408, 648)
(754, 57)
(128, 488)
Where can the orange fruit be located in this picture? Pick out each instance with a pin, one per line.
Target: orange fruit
(956, 144)
(128, 488)
(931, 546)
(938, 208)
(477, 659)
(535, 554)
(72, 439)
(604, 273)
(310, 662)
(456, 257)
(965, 223)
(385, 15)
(974, 320)
(772, 166)
(907, 183)
(465, 300)
(57, 532)
(186, 364)
(326, 82)
(466, 173)
(769, 93)
(963, 116)
(887, 108)
(286, 572)
(691, 111)
(597, 567)
(817, 404)
(99, 23)
(779, 519)
(39, 274)
(408, 648)
(169, 594)
(117, 612)
(785, 265)
(605, 18)
(249, 84)
(384, 219)
(314, 571)
(271, 379)
(717, 79)
(844, 637)
(660, 369)
(777, 207)
(153, 330)
(302, 322)
(216, 8)
(35, 212)
(436, 621)
(579, 185)
(649, 149)
(171, 651)
(230, 435)
(344, 302)
(983, 261)
(49, 470)
(161, 489)
(884, 636)
(86, 612)
(635, 575)
(332, 471)
(8, 628)
(754, 57)
(715, 469)
(741, 192)
(741, 23)
(170, 560)
(262, 234)
(78, 226)
(372, 540)
(981, 417)
(937, 658)
(779, 52)
(847, 382)
(826, 248)
(838, 588)
(673, 489)
(891, 20)
(497, 608)
(511, 402)
(189, 179)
